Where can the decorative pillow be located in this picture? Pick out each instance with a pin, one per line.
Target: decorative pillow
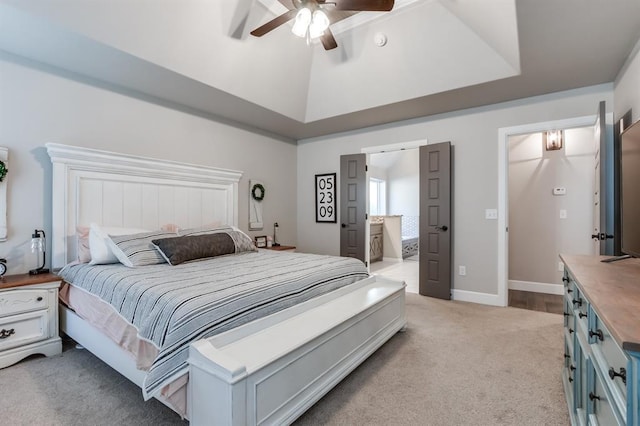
(137, 249)
(206, 229)
(99, 248)
(178, 250)
(184, 248)
(82, 235)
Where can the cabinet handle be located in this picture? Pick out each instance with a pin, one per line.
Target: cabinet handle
(567, 356)
(570, 379)
(566, 314)
(6, 333)
(581, 315)
(593, 396)
(622, 374)
(598, 333)
(572, 367)
(569, 291)
(577, 302)
(570, 330)
(565, 279)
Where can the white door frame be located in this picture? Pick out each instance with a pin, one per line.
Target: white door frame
(503, 188)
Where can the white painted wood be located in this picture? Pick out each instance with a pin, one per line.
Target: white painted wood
(4, 156)
(268, 371)
(536, 287)
(94, 186)
(35, 322)
(295, 365)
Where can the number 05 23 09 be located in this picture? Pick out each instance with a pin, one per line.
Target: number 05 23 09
(326, 198)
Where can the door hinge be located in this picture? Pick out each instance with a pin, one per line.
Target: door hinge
(366, 168)
(366, 264)
(366, 216)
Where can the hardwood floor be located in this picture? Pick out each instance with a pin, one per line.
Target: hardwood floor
(551, 303)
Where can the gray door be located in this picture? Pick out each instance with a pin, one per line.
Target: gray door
(602, 231)
(435, 220)
(353, 205)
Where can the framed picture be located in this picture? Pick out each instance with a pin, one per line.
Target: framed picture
(326, 198)
(261, 242)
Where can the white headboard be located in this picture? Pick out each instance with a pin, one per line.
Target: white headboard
(129, 191)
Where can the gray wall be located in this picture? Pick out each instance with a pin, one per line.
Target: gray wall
(474, 136)
(537, 234)
(404, 184)
(37, 107)
(627, 87)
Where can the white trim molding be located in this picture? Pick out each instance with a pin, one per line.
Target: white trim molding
(536, 287)
(476, 297)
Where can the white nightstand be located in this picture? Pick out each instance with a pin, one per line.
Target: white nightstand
(28, 317)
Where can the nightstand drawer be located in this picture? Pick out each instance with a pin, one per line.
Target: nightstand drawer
(23, 300)
(23, 329)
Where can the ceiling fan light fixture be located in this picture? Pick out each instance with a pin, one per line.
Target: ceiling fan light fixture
(319, 24)
(302, 22)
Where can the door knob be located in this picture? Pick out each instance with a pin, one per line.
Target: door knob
(441, 228)
(344, 225)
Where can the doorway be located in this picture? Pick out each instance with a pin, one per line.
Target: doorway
(521, 133)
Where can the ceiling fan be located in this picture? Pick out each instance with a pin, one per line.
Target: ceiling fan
(313, 17)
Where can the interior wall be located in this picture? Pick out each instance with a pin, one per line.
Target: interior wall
(627, 87)
(37, 107)
(474, 135)
(537, 233)
(404, 184)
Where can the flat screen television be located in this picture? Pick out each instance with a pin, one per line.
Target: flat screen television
(630, 190)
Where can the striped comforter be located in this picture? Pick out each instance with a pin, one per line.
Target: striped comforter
(172, 306)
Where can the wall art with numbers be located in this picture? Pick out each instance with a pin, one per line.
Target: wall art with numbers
(326, 198)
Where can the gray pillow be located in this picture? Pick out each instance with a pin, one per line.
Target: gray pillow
(178, 250)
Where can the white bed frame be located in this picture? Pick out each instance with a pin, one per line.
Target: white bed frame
(269, 371)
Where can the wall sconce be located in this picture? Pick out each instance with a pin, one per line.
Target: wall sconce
(553, 139)
(38, 245)
(275, 240)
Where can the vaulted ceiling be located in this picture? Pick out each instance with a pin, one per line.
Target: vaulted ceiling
(440, 55)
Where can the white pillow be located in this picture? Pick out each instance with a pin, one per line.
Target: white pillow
(101, 253)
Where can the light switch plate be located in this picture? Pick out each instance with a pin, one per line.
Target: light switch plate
(563, 214)
(491, 214)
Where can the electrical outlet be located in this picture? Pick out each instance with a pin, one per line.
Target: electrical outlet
(491, 214)
(462, 270)
(563, 214)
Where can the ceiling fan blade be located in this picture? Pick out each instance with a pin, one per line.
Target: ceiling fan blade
(362, 5)
(328, 41)
(274, 23)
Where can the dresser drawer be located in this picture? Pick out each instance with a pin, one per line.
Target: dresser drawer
(604, 412)
(26, 300)
(610, 360)
(23, 329)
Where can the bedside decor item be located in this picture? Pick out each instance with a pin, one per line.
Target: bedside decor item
(275, 240)
(261, 241)
(257, 192)
(256, 197)
(326, 198)
(4, 169)
(39, 245)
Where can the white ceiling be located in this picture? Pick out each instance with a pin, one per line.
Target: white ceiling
(441, 55)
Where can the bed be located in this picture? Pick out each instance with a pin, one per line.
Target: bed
(410, 236)
(267, 369)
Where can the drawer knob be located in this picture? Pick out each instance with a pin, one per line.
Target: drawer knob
(570, 379)
(569, 291)
(566, 314)
(565, 279)
(622, 374)
(6, 333)
(581, 315)
(570, 330)
(577, 302)
(572, 367)
(39, 299)
(567, 356)
(593, 396)
(598, 333)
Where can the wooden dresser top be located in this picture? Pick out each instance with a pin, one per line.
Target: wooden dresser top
(614, 292)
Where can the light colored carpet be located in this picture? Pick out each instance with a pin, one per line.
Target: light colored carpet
(457, 364)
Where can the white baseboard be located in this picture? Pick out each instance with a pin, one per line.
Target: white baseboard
(476, 297)
(392, 259)
(536, 287)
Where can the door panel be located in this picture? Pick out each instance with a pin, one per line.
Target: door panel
(353, 206)
(602, 233)
(435, 220)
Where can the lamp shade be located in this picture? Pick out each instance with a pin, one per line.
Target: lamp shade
(301, 24)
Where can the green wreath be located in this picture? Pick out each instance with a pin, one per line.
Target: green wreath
(3, 170)
(257, 192)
